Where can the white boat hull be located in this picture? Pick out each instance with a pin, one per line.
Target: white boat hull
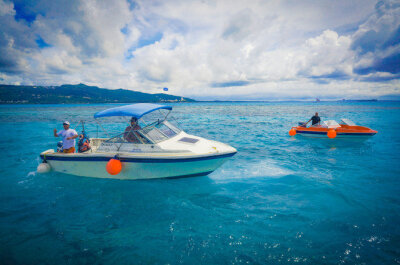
(183, 155)
(136, 167)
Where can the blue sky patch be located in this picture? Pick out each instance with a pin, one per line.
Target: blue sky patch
(132, 4)
(145, 41)
(22, 12)
(231, 83)
(129, 54)
(334, 75)
(41, 43)
(124, 30)
(379, 79)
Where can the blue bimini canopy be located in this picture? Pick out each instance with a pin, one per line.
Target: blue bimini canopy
(134, 110)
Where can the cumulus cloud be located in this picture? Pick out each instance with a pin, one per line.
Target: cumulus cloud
(377, 44)
(205, 49)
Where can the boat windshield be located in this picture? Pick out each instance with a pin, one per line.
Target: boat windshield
(160, 131)
(331, 124)
(152, 133)
(348, 122)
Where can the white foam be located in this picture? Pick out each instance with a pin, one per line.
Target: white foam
(27, 178)
(268, 168)
(31, 174)
(264, 168)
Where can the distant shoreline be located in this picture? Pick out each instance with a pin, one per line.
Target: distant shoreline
(206, 101)
(83, 94)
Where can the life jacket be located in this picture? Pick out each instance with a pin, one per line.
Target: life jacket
(83, 143)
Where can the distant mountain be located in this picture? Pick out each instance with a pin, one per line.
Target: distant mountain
(10, 94)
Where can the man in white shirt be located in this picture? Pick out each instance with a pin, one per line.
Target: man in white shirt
(68, 136)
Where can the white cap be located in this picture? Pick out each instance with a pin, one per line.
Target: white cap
(66, 122)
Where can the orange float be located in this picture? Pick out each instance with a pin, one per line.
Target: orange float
(114, 166)
(331, 134)
(292, 132)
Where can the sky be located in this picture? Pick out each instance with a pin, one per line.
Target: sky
(206, 49)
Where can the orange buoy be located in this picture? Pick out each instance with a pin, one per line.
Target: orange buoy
(292, 132)
(331, 134)
(113, 166)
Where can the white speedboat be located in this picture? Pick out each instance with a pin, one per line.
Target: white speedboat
(162, 150)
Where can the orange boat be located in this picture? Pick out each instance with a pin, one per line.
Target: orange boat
(333, 129)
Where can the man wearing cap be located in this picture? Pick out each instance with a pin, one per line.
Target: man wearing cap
(68, 136)
(130, 133)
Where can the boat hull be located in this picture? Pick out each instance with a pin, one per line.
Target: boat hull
(338, 135)
(136, 167)
(344, 131)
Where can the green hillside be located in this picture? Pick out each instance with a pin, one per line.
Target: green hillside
(10, 94)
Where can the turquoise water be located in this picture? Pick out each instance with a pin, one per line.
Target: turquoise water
(279, 200)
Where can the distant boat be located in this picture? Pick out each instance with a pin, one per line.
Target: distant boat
(332, 129)
(317, 100)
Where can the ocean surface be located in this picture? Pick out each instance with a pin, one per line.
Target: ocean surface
(279, 200)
